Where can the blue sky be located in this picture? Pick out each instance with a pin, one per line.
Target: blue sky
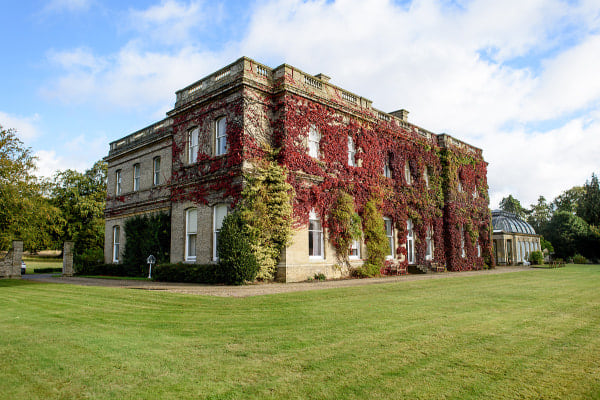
(518, 78)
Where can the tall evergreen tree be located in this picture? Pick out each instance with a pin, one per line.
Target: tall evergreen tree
(539, 215)
(510, 204)
(589, 207)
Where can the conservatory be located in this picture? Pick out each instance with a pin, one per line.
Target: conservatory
(513, 239)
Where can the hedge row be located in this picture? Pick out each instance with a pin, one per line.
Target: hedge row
(46, 270)
(189, 273)
(112, 270)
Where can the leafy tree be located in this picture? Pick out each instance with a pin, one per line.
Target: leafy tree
(237, 261)
(81, 198)
(539, 215)
(569, 200)
(568, 233)
(25, 213)
(589, 207)
(147, 234)
(510, 204)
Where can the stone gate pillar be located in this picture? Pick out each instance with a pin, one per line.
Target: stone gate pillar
(17, 257)
(68, 259)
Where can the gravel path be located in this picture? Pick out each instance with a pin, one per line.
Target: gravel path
(259, 289)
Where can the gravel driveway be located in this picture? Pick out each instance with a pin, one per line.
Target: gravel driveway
(259, 289)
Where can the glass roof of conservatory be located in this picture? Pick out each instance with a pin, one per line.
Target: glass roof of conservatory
(509, 222)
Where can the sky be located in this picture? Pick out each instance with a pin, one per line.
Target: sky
(519, 79)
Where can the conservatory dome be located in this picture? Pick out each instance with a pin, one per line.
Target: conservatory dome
(508, 222)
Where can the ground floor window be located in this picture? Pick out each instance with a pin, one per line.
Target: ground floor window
(219, 214)
(116, 243)
(410, 242)
(191, 231)
(429, 244)
(315, 236)
(354, 253)
(463, 254)
(389, 232)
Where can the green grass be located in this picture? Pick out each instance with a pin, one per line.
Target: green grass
(531, 335)
(33, 262)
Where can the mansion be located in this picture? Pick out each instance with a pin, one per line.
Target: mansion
(432, 188)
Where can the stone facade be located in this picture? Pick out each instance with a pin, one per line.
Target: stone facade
(10, 265)
(205, 144)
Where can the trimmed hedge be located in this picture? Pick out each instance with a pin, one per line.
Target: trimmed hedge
(46, 270)
(188, 273)
(112, 270)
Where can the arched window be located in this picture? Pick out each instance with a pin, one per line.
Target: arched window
(191, 231)
(221, 136)
(410, 242)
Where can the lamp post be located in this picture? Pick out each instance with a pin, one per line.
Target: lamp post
(151, 260)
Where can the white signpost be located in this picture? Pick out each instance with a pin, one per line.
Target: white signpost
(151, 260)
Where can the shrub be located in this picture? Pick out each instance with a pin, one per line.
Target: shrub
(188, 273)
(236, 258)
(88, 258)
(579, 259)
(344, 225)
(145, 235)
(536, 257)
(320, 276)
(375, 241)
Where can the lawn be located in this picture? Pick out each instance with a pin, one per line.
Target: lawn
(532, 335)
(34, 262)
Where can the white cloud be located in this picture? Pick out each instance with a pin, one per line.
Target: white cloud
(468, 70)
(26, 127)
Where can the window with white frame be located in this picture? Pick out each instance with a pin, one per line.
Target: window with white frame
(116, 243)
(314, 139)
(193, 147)
(463, 253)
(460, 186)
(221, 136)
(389, 232)
(478, 249)
(219, 214)
(136, 177)
(387, 170)
(410, 241)
(354, 251)
(426, 177)
(351, 152)
(118, 186)
(407, 175)
(156, 171)
(429, 244)
(191, 231)
(315, 236)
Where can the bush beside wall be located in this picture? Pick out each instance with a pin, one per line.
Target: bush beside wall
(188, 273)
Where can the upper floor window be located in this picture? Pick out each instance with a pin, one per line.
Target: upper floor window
(314, 138)
(221, 136)
(407, 175)
(192, 142)
(118, 182)
(410, 241)
(156, 171)
(191, 230)
(389, 232)
(426, 177)
(315, 236)
(429, 244)
(219, 214)
(116, 243)
(136, 177)
(351, 152)
(460, 186)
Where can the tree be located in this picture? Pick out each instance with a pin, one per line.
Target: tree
(512, 205)
(569, 200)
(81, 198)
(376, 240)
(237, 261)
(539, 215)
(25, 213)
(568, 234)
(589, 207)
